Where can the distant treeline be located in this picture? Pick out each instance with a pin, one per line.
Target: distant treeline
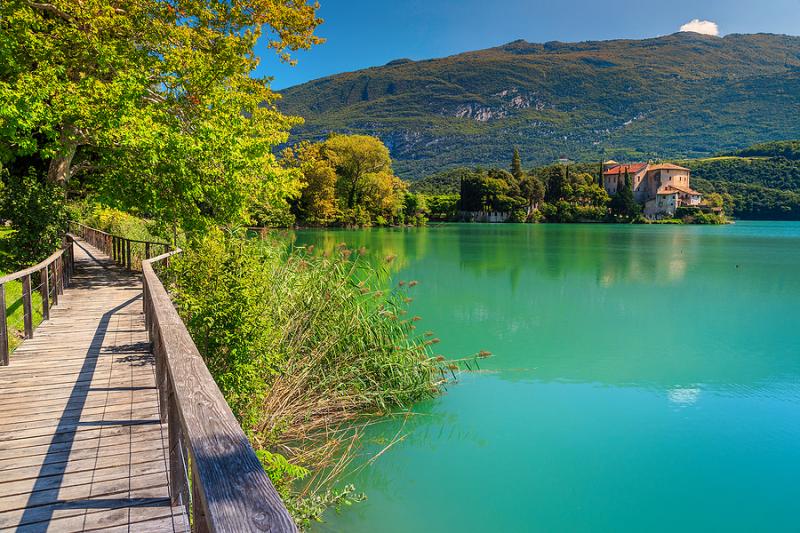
(784, 149)
(759, 182)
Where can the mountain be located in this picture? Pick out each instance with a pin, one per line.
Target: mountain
(678, 96)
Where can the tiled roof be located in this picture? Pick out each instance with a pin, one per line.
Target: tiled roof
(672, 189)
(667, 166)
(622, 169)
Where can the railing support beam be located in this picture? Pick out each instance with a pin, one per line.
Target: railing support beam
(44, 290)
(27, 307)
(3, 328)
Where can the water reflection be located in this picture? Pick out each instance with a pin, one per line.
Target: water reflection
(652, 306)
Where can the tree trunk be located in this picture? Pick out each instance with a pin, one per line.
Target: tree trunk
(61, 164)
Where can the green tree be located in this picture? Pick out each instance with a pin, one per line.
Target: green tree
(555, 183)
(356, 158)
(154, 100)
(623, 204)
(317, 201)
(516, 165)
(532, 189)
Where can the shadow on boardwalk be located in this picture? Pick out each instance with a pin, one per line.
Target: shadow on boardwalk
(81, 442)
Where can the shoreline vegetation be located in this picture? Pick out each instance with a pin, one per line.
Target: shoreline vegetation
(347, 181)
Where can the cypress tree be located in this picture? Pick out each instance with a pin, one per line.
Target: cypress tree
(601, 174)
(516, 165)
(623, 203)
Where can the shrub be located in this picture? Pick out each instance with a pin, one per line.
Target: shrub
(38, 217)
(119, 222)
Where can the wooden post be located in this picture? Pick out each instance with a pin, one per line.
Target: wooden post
(147, 250)
(128, 253)
(55, 282)
(3, 328)
(71, 260)
(59, 273)
(177, 465)
(27, 307)
(199, 521)
(44, 290)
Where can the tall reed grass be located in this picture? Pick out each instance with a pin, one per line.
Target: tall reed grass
(305, 346)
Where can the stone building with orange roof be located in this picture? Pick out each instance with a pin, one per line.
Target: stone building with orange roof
(660, 188)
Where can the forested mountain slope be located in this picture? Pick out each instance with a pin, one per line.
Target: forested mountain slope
(679, 96)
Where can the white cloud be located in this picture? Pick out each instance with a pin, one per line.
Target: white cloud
(706, 27)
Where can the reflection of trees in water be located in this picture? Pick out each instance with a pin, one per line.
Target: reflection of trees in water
(404, 245)
(609, 253)
(644, 306)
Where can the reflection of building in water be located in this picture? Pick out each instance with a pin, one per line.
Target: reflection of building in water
(660, 188)
(649, 257)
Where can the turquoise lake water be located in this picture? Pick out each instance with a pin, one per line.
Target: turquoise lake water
(644, 378)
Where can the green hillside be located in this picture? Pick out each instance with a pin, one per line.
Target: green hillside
(761, 183)
(679, 96)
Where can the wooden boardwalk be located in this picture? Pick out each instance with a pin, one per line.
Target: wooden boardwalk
(81, 443)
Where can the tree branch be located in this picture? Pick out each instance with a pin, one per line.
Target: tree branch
(49, 8)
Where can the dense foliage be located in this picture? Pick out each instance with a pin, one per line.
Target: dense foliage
(38, 218)
(682, 95)
(557, 193)
(150, 104)
(784, 149)
(348, 180)
(770, 172)
(755, 202)
(761, 183)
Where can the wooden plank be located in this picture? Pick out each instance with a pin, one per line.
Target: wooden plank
(104, 448)
(125, 489)
(28, 476)
(139, 518)
(129, 411)
(44, 409)
(31, 392)
(85, 440)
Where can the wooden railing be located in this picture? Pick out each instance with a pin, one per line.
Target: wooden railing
(214, 471)
(126, 252)
(52, 275)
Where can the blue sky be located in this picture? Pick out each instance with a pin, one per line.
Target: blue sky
(364, 33)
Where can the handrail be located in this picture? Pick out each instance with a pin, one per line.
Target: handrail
(214, 471)
(56, 269)
(112, 235)
(117, 247)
